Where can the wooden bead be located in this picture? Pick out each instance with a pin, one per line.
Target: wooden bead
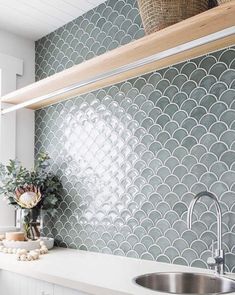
(43, 250)
(42, 243)
(34, 254)
(23, 257)
(29, 257)
(22, 252)
(18, 257)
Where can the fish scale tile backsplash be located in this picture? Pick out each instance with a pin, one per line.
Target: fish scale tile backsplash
(104, 28)
(132, 156)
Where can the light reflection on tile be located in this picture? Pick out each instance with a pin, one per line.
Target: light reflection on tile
(114, 163)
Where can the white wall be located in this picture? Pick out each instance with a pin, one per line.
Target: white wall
(25, 137)
(17, 60)
(21, 48)
(17, 128)
(7, 151)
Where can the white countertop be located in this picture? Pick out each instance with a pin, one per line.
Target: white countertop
(92, 273)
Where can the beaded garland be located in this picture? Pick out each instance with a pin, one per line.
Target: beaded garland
(23, 254)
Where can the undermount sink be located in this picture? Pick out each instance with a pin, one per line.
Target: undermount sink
(186, 283)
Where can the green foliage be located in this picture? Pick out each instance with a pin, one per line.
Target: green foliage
(14, 175)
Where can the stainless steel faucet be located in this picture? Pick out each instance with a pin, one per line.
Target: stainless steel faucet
(218, 258)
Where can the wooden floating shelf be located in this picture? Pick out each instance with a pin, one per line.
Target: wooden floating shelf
(201, 34)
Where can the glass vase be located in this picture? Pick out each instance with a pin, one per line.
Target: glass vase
(29, 221)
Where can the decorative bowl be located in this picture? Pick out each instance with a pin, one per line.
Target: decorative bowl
(49, 242)
(27, 245)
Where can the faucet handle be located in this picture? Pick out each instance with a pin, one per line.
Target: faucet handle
(211, 262)
(216, 260)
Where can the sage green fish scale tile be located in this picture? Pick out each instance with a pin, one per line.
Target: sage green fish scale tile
(131, 156)
(207, 62)
(218, 88)
(198, 93)
(232, 106)
(171, 91)
(197, 75)
(208, 100)
(188, 87)
(171, 252)
(180, 116)
(217, 69)
(181, 245)
(207, 81)
(171, 73)
(228, 76)
(227, 56)
(188, 68)
(179, 80)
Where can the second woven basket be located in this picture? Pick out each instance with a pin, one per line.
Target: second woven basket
(158, 14)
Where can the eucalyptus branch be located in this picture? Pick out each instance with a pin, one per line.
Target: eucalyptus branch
(14, 178)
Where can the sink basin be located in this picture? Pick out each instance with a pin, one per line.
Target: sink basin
(186, 283)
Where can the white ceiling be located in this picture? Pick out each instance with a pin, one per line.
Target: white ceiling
(34, 19)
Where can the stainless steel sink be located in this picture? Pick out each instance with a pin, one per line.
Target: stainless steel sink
(186, 283)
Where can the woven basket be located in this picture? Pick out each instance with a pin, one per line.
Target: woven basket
(158, 14)
(223, 1)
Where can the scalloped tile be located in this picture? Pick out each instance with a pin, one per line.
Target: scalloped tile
(132, 155)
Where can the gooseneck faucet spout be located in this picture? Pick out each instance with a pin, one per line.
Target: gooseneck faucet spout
(217, 259)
